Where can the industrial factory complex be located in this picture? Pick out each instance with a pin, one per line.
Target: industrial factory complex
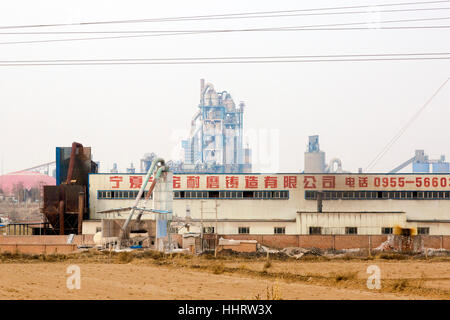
(291, 203)
(221, 157)
(213, 191)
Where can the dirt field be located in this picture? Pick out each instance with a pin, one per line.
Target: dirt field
(127, 277)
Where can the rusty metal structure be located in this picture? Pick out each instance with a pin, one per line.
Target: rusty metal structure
(65, 204)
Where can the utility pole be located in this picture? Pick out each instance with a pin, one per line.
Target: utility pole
(217, 241)
(169, 238)
(201, 222)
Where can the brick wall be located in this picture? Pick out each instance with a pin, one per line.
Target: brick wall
(431, 241)
(446, 242)
(351, 242)
(334, 241)
(316, 241)
(377, 240)
(279, 241)
(47, 239)
(272, 241)
(243, 247)
(38, 248)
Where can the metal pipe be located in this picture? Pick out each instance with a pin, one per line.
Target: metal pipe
(80, 211)
(141, 191)
(156, 177)
(150, 191)
(75, 146)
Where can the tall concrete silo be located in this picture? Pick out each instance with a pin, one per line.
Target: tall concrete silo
(314, 158)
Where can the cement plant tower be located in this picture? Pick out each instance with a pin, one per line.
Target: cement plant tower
(215, 143)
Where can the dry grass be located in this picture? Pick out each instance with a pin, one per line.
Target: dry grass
(272, 293)
(393, 256)
(344, 276)
(125, 257)
(256, 267)
(218, 268)
(243, 266)
(400, 285)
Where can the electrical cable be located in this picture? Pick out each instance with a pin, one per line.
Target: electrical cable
(190, 62)
(289, 28)
(218, 16)
(403, 129)
(235, 58)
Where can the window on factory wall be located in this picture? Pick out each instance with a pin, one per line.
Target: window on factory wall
(310, 195)
(279, 230)
(386, 230)
(257, 195)
(127, 194)
(213, 194)
(248, 194)
(315, 230)
(244, 230)
(423, 230)
(351, 230)
(374, 195)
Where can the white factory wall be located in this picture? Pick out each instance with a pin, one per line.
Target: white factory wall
(263, 215)
(262, 228)
(416, 209)
(91, 226)
(336, 222)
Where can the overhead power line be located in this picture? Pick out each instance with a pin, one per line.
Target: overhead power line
(246, 15)
(404, 128)
(408, 54)
(232, 60)
(260, 16)
(317, 27)
(181, 32)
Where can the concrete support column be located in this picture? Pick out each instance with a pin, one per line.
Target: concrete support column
(80, 211)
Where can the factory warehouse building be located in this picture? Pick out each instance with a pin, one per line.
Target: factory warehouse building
(290, 203)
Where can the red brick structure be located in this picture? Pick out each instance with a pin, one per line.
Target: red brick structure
(337, 242)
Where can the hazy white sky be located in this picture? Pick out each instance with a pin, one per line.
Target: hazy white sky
(123, 112)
